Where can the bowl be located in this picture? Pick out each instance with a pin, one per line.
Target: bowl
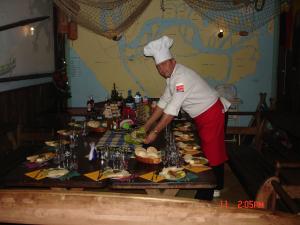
(98, 129)
(148, 160)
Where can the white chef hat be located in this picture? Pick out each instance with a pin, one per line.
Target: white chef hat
(159, 49)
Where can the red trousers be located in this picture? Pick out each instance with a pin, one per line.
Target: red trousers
(210, 126)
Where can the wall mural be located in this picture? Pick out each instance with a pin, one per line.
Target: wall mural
(95, 63)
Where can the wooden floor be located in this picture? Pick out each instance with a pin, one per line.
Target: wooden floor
(232, 192)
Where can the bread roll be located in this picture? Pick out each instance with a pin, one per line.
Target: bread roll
(152, 155)
(139, 151)
(151, 150)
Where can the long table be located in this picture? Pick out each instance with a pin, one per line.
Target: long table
(17, 177)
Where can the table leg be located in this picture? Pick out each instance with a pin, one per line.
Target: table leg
(162, 192)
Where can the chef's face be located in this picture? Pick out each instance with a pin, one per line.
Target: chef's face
(166, 68)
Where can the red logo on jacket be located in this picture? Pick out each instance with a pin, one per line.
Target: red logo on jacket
(180, 87)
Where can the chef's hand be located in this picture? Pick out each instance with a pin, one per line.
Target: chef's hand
(150, 138)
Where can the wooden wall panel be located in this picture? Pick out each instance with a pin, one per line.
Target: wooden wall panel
(25, 104)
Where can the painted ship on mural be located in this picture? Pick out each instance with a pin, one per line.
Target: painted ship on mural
(8, 67)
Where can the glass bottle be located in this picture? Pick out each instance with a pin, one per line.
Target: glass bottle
(90, 104)
(114, 94)
(129, 101)
(137, 98)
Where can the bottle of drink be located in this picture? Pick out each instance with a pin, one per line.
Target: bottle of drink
(114, 94)
(90, 104)
(120, 102)
(137, 98)
(129, 101)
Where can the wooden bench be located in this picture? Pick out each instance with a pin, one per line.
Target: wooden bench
(256, 130)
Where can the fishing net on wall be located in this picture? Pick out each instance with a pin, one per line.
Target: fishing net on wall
(238, 15)
(108, 18)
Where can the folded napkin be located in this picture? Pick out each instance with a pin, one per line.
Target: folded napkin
(197, 169)
(96, 175)
(101, 175)
(69, 175)
(188, 177)
(37, 174)
(152, 177)
(33, 165)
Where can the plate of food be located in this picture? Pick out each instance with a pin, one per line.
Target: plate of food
(116, 174)
(185, 137)
(149, 156)
(75, 124)
(93, 124)
(195, 161)
(56, 172)
(187, 146)
(40, 158)
(186, 126)
(172, 173)
(64, 132)
(135, 137)
(56, 143)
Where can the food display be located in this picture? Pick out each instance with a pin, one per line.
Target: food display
(126, 124)
(135, 137)
(115, 174)
(142, 113)
(195, 161)
(185, 126)
(56, 143)
(185, 138)
(96, 126)
(93, 123)
(64, 132)
(172, 173)
(75, 124)
(40, 158)
(111, 111)
(56, 172)
(150, 155)
(189, 148)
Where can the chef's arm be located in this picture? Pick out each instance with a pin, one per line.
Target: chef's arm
(153, 118)
(163, 122)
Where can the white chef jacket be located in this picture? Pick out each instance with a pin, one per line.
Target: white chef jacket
(186, 89)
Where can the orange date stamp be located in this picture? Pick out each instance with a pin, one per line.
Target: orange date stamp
(243, 204)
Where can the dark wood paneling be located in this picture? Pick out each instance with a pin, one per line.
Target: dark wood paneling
(24, 105)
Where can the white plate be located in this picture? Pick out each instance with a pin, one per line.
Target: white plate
(191, 161)
(40, 158)
(56, 173)
(165, 174)
(117, 175)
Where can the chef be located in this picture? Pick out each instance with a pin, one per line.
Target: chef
(187, 90)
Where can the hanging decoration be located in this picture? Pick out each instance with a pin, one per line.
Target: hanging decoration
(242, 16)
(62, 25)
(109, 18)
(72, 31)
